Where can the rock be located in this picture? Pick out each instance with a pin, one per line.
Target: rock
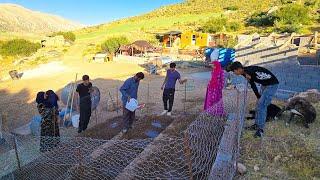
(241, 168)
(23, 130)
(311, 95)
(256, 168)
(184, 65)
(277, 158)
(35, 125)
(265, 178)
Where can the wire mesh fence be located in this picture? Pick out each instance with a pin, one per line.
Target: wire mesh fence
(207, 149)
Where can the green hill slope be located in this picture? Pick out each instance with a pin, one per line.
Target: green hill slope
(189, 15)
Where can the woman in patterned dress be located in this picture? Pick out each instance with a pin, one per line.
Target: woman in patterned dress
(49, 125)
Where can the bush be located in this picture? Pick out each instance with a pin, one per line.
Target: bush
(220, 24)
(311, 3)
(292, 14)
(113, 44)
(67, 35)
(215, 25)
(230, 42)
(261, 19)
(289, 28)
(19, 47)
(234, 26)
(231, 8)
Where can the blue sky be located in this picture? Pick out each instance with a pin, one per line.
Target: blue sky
(92, 12)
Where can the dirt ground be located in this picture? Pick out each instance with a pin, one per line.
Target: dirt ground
(17, 98)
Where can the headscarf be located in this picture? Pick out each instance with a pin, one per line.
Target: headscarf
(41, 100)
(53, 98)
(216, 74)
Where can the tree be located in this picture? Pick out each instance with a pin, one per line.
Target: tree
(18, 47)
(66, 35)
(214, 25)
(113, 44)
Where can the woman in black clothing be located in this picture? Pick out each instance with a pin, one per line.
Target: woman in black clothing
(49, 125)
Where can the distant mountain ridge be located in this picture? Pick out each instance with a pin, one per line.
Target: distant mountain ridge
(15, 18)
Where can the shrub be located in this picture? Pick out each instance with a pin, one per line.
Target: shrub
(67, 35)
(289, 28)
(231, 8)
(311, 3)
(19, 47)
(113, 44)
(292, 14)
(261, 19)
(215, 25)
(230, 42)
(234, 26)
(220, 24)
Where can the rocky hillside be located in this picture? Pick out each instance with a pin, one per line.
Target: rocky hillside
(15, 18)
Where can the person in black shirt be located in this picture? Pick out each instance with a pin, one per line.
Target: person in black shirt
(269, 83)
(84, 89)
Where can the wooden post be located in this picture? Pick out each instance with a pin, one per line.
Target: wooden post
(73, 90)
(188, 154)
(16, 152)
(79, 157)
(148, 96)
(315, 39)
(185, 98)
(1, 136)
(69, 95)
(95, 112)
(117, 92)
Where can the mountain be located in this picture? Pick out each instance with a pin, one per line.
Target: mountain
(15, 18)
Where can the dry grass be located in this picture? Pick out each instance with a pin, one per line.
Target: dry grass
(286, 152)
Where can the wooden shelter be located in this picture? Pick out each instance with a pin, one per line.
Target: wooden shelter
(138, 47)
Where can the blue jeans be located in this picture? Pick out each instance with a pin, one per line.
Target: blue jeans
(266, 97)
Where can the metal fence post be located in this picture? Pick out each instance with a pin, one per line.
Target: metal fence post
(188, 153)
(16, 152)
(148, 96)
(185, 98)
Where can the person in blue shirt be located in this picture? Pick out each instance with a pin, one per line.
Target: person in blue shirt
(129, 90)
(168, 88)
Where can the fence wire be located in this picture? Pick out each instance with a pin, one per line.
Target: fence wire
(208, 149)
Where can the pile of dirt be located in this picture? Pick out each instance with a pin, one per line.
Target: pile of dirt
(106, 130)
(148, 126)
(180, 125)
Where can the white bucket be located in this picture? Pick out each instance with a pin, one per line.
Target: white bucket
(132, 105)
(75, 120)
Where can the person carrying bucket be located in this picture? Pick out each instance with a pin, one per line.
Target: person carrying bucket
(129, 92)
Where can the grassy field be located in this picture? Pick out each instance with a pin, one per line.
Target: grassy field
(286, 152)
(141, 27)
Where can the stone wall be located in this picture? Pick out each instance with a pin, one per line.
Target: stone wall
(284, 64)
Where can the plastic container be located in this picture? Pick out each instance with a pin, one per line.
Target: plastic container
(132, 105)
(75, 120)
